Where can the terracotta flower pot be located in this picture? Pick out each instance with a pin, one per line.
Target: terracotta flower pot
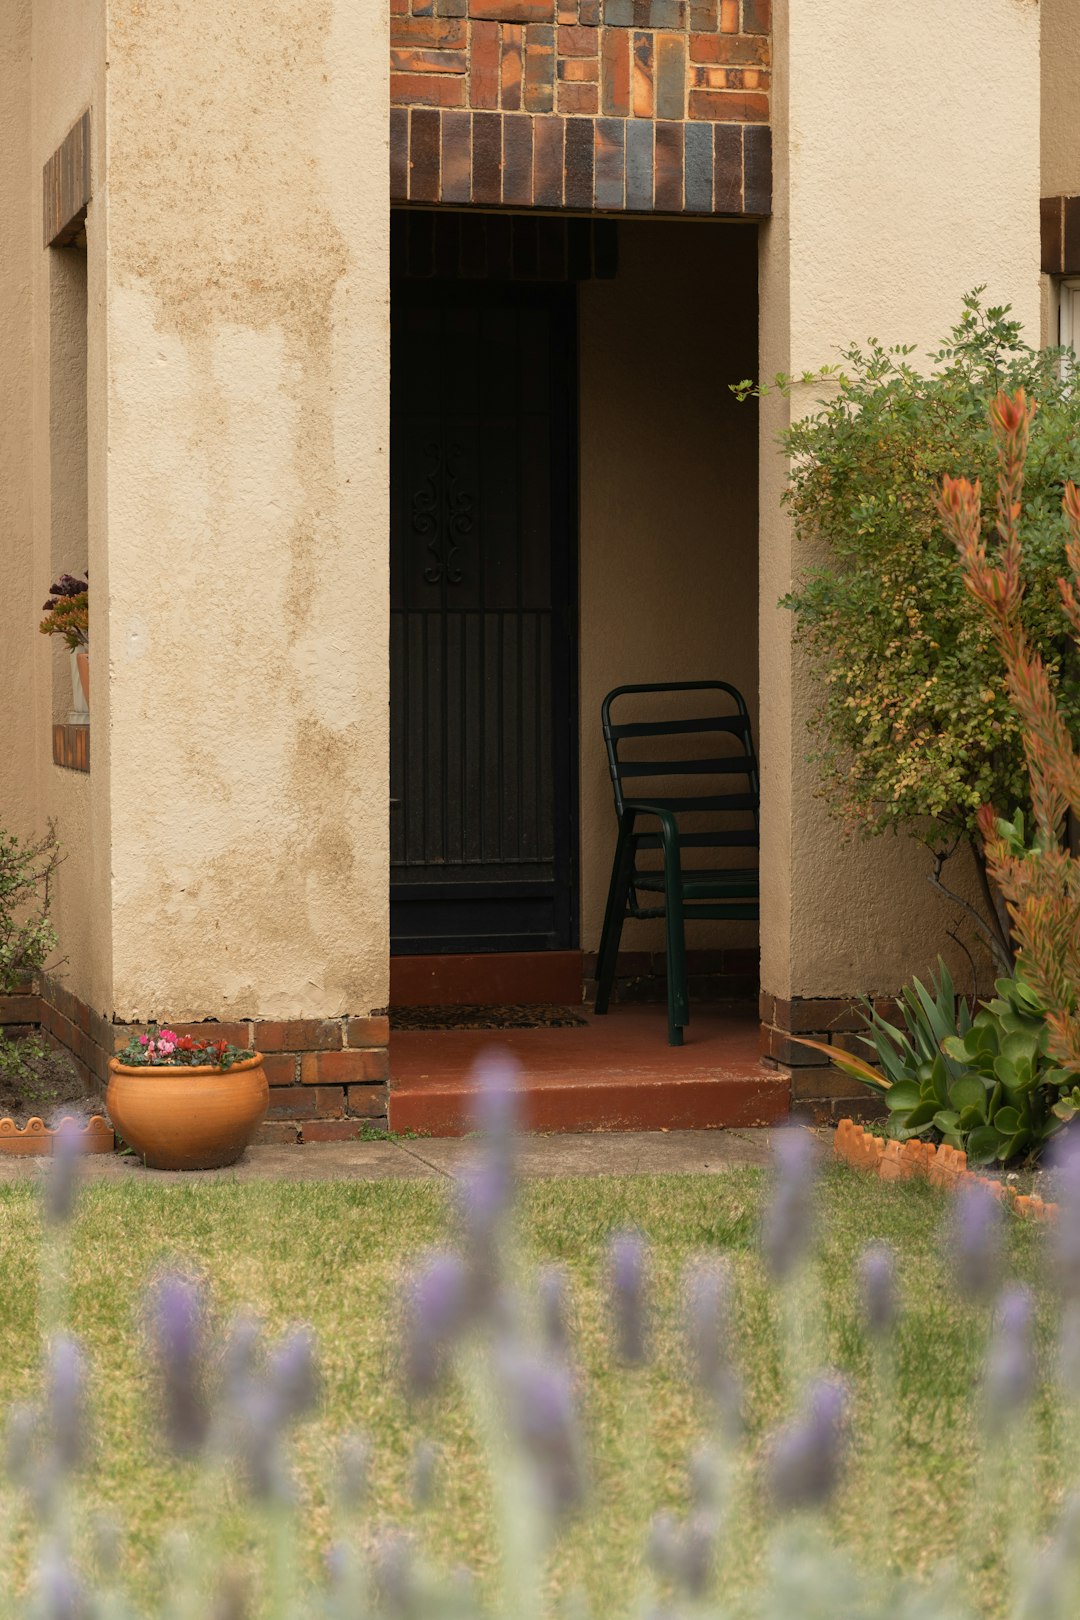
(187, 1118)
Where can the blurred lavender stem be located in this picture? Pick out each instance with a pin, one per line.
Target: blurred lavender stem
(522, 1554)
(880, 1310)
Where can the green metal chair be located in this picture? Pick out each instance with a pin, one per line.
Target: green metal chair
(650, 821)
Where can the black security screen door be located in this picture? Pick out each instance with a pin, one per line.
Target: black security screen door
(482, 753)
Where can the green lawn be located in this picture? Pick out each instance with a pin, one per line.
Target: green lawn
(332, 1255)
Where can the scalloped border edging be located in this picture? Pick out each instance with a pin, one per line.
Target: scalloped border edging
(941, 1166)
(35, 1136)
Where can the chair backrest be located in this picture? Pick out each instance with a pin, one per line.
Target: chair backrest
(710, 777)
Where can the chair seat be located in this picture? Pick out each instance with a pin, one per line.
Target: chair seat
(698, 883)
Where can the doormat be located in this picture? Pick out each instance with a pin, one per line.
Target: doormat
(486, 1018)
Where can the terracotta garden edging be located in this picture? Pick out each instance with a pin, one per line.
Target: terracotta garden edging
(96, 1136)
(941, 1166)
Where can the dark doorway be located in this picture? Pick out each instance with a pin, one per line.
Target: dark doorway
(483, 617)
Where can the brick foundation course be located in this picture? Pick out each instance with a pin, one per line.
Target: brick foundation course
(819, 1090)
(614, 105)
(328, 1077)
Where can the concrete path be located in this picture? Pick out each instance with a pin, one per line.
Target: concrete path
(595, 1154)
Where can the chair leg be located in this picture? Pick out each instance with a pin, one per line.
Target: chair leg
(678, 999)
(614, 913)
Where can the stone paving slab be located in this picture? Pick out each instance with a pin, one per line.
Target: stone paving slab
(626, 1153)
(424, 1158)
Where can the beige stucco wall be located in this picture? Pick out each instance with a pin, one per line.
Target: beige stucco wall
(17, 584)
(1060, 98)
(247, 512)
(668, 504)
(893, 196)
(63, 480)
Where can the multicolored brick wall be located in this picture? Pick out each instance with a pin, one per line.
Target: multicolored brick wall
(636, 106)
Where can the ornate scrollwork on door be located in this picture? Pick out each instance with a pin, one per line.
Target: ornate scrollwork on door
(442, 513)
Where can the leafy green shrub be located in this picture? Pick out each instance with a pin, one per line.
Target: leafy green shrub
(914, 729)
(984, 1083)
(27, 937)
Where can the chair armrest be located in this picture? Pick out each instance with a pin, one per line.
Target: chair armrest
(669, 827)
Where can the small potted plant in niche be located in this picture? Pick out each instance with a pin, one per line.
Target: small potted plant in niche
(67, 614)
(183, 1103)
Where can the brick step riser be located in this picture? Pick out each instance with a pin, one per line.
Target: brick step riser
(656, 1105)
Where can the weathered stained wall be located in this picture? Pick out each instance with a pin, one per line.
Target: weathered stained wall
(1060, 99)
(668, 505)
(890, 201)
(247, 524)
(17, 584)
(67, 468)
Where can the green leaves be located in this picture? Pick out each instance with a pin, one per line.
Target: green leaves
(985, 1085)
(915, 729)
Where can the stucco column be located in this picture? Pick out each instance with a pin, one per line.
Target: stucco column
(243, 723)
(906, 142)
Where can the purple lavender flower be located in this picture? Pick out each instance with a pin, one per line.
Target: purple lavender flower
(1069, 1348)
(975, 1240)
(495, 1102)
(1010, 1362)
(704, 1479)
(437, 1313)
(293, 1375)
(66, 1403)
(540, 1408)
(395, 1580)
(683, 1553)
(256, 1433)
(354, 1471)
(804, 1462)
(706, 1297)
(662, 1546)
(424, 1464)
(1066, 1241)
(485, 1196)
(62, 1184)
(61, 1597)
(554, 1290)
(877, 1286)
(627, 1267)
(787, 1229)
(21, 1433)
(698, 1552)
(240, 1358)
(178, 1327)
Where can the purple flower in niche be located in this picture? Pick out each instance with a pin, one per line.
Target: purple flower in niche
(805, 1459)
